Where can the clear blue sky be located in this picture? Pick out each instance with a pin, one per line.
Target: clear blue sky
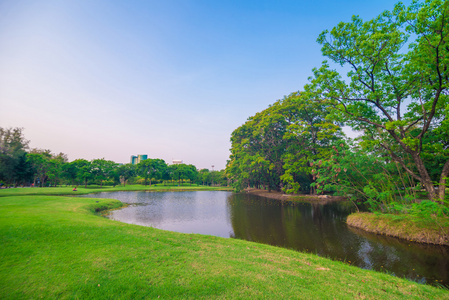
(171, 79)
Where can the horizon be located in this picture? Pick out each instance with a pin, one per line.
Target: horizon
(168, 79)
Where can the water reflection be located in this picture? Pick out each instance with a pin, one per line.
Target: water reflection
(187, 212)
(314, 228)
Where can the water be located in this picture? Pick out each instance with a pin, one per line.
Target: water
(319, 229)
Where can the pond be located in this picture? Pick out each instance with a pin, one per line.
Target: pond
(314, 228)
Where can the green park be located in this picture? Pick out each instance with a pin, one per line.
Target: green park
(391, 180)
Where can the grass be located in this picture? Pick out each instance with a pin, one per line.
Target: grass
(57, 247)
(68, 190)
(433, 230)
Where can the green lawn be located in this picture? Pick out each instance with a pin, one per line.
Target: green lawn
(57, 247)
(68, 190)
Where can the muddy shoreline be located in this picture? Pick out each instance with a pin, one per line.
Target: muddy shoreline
(319, 199)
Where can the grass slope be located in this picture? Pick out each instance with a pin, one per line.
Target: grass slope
(56, 247)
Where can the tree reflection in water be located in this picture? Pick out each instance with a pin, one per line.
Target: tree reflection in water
(315, 228)
(321, 229)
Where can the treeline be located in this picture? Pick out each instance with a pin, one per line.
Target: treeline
(21, 166)
(392, 90)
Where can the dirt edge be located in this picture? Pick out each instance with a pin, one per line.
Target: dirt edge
(321, 199)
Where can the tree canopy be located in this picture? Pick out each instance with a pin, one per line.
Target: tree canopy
(396, 89)
(276, 147)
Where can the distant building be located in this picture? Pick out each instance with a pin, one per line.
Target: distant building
(177, 161)
(137, 159)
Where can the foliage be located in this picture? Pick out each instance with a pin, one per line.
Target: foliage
(14, 166)
(41, 167)
(212, 178)
(424, 209)
(83, 170)
(47, 167)
(181, 172)
(274, 148)
(125, 172)
(102, 169)
(155, 169)
(357, 172)
(396, 97)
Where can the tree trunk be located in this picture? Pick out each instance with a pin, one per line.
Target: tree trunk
(425, 178)
(442, 186)
(313, 188)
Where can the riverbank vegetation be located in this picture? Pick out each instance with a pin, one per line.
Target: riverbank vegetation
(56, 247)
(388, 80)
(431, 230)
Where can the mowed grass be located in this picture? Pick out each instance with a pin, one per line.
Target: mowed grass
(68, 190)
(57, 247)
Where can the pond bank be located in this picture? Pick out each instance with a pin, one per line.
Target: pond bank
(86, 256)
(319, 199)
(407, 227)
(410, 228)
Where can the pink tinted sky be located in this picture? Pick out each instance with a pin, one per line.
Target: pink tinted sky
(171, 79)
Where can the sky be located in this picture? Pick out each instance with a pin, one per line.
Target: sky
(170, 79)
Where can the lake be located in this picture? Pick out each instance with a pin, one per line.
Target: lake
(314, 228)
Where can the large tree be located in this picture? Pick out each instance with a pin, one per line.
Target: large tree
(152, 169)
(125, 172)
(102, 169)
(276, 147)
(14, 168)
(83, 170)
(182, 172)
(396, 90)
(257, 150)
(310, 136)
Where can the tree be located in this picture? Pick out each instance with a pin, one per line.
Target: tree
(69, 172)
(182, 172)
(14, 167)
(125, 172)
(276, 147)
(355, 171)
(84, 171)
(40, 162)
(152, 168)
(47, 167)
(102, 169)
(257, 150)
(395, 96)
(309, 137)
(203, 177)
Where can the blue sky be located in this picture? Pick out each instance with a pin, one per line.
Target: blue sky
(171, 79)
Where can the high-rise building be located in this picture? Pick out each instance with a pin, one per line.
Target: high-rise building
(141, 157)
(137, 159)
